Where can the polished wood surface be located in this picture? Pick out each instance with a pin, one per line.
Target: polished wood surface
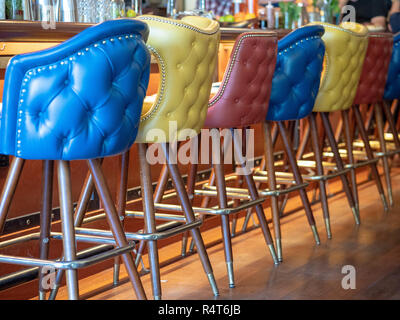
(308, 271)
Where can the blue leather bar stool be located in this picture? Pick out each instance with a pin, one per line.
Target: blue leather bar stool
(79, 100)
(181, 100)
(294, 89)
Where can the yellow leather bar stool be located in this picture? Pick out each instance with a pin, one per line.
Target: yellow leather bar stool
(345, 47)
(186, 53)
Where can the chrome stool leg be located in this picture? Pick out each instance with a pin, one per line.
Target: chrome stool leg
(370, 156)
(149, 219)
(320, 172)
(121, 204)
(254, 196)
(115, 225)
(383, 149)
(189, 214)
(67, 223)
(349, 145)
(269, 159)
(45, 218)
(9, 187)
(223, 203)
(299, 180)
(339, 164)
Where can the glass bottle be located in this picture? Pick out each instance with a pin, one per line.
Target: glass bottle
(239, 10)
(2, 9)
(252, 9)
(87, 11)
(117, 9)
(326, 12)
(14, 10)
(103, 10)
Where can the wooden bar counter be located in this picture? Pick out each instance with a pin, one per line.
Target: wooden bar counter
(17, 37)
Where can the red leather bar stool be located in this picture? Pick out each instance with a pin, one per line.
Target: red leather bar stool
(370, 92)
(240, 101)
(186, 53)
(74, 102)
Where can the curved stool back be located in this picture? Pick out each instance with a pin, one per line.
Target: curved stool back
(79, 100)
(345, 48)
(297, 74)
(374, 73)
(186, 52)
(242, 98)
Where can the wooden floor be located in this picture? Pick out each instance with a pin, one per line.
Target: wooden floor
(307, 272)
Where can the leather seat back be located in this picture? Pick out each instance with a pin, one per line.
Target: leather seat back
(297, 75)
(243, 96)
(345, 48)
(81, 99)
(186, 51)
(375, 69)
(392, 89)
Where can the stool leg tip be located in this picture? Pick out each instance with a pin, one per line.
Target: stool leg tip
(356, 214)
(315, 233)
(279, 249)
(273, 254)
(213, 284)
(229, 266)
(328, 228)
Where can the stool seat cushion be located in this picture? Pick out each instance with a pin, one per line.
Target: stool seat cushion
(79, 100)
(345, 48)
(297, 74)
(392, 88)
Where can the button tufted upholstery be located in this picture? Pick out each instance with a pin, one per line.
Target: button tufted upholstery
(242, 98)
(186, 51)
(79, 100)
(345, 48)
(392, 89)
(297, 75)
(376, 64)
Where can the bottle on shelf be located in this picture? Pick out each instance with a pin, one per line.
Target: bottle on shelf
(117, 9)
(270, 15)
(252, 9)
(14, 10)
(2, 9)
(239, 10)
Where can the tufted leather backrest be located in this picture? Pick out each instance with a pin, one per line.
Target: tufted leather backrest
(186, 51)
(243, 96)
(297, 74)
(81, 99)
(375, 69)
(392, 89)
(345, 48)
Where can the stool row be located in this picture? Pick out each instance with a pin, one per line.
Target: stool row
(85, 99)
